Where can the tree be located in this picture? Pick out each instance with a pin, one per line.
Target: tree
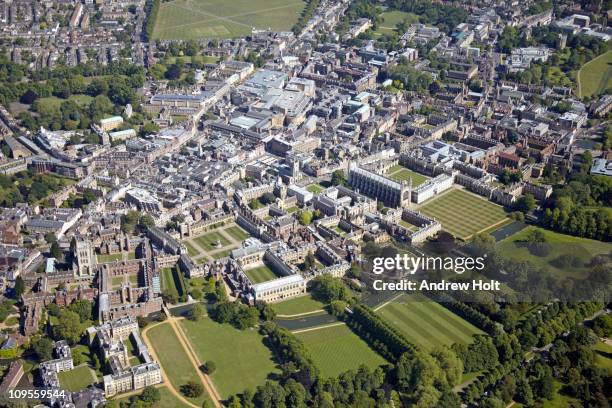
(209, 367)
(55, 251)
(327, 288)
(150, 395)
(309, 261)
(68, 327)
(83, 308)
(270, 395)
(305, 217)
(525, 203)
(338, 178)
(19, 287)
(43, 347)
(197, 312)
(192, 389)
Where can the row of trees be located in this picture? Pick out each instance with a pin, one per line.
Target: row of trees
(152, 10)
(306, 15)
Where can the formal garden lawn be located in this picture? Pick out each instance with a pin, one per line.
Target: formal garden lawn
(174, 359)
(582, 248)
(192, 19)
(260, 274)
(426, 323)
(237, 233)
(315, 189)
(209, 240)
(76, 379)
(302, 304)
(337, 349)
(167, 400)
(241, 358)
(400, 173)
(477, 214)
(110, 258)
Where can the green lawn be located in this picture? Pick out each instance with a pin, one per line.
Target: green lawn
(133, 280)
(76, 379)
(167, 400)
(260, 274)
(191, 19)
(603, 355)
(169, 279)
(583, 248)
(237, 233)
(426, 323)
(315, 189)
(400, 173)
(596, 75)
(55, 102)
(559, 400)
(302, 304)
(221, 254)
(191, 249)
(117, 280)
(110, 258)
(173, 359)
(337, 349)
(477, 214)
(390, 20)
(242, 359)
(208, 241)
(291, 210)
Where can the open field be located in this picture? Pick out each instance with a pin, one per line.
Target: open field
(390, 20)
(596, 75)
(477, 214)
(174, 359)
(76, 379)
(242, 359)
(400, 173)
(260, 274)
(191, 19)
(583, 248)
(337, 349)
(55, 102)
(426, 323)
(302, 304)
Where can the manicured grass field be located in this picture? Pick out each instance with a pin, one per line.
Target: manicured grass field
(117, 280)
(169, 279)
(110, 258)
(337, 349)
(173, 359)
(260, 274)
(390, 20)
(191, 19)
(55, 102)
(237, 233)
(133, 280)
(302, 304)
(583, 248)
(596, 75)
(76, 379)
(426, 323)
(208, 240)
(477, 214)
(242, 359)
(192, 250)
(315, 189)
(400, 173)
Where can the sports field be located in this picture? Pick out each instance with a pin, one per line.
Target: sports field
(596, 75)
(337, 349)
(260, 274)
(299, 305)
(476, 213)
(582, 248)
(192, 19)
(400, 173)
(173, 359)
(242, 359)
(426, 323)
